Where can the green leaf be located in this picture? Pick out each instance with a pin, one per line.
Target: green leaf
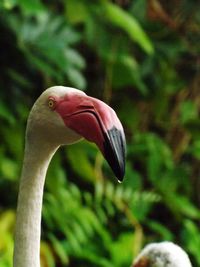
(76, 78)
(9, 4)
(6, 114)
(76, 11)
(128, 73)
(74, 57)
(191, 238)
(157, 227)
(188, 112)
(181, 204)
(8, 168)
(85, 168)
(129, 24)
(31, 7)
(59, 249)
(195, 149)
(47, 256)
(123, 244)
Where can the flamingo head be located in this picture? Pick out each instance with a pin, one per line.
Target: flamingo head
(64, 115)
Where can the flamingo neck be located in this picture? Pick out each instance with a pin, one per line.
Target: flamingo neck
(29, 208)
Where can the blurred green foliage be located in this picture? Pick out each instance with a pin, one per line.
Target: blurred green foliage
(141, 57)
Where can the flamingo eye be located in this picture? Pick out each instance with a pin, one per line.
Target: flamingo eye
(51, 103)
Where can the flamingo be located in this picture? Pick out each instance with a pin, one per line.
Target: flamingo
(60, 116)
(163, 254)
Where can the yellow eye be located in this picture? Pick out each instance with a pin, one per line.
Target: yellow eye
(51, 103)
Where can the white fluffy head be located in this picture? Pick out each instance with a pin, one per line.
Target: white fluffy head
(164, 254)
(46, 126)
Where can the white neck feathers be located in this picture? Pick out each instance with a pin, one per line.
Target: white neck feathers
(28, 222)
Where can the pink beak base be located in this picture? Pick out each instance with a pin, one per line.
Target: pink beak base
(98, 123)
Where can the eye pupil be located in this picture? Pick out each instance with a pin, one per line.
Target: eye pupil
(51, 103)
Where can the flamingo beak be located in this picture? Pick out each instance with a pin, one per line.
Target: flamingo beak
(98, 123)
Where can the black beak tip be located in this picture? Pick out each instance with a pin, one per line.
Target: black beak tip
(114, 151)
(121, 173)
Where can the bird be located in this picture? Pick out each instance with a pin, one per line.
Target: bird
(162, 254)
(60, 116)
